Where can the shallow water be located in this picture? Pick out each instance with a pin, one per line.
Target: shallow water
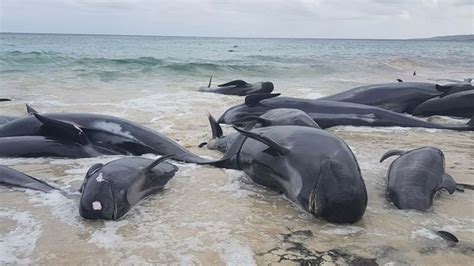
(214, 216)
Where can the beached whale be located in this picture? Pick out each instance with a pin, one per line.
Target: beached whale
(109, 191)
(274, 117)
(312, 167)
(401, 97)
(415, 177)
(459, 104)
(13, 178)
(110, 133)
(239, 88)
(329, 113)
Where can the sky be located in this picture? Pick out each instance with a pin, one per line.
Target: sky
(374, 19)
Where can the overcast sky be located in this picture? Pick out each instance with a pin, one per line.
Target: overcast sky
(244, 18)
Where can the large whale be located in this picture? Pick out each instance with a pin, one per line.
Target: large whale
(239, 88)
(401, 97)
(109, 191)
(109, 132)
(415, 177)
(274, 117)
(328, 113)
(13, 178)
(312, 167)
(459, 104)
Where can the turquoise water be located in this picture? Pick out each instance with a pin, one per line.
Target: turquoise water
(156, 62)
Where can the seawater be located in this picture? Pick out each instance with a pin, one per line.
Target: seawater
(215, 216)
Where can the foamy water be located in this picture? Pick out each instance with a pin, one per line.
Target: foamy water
(216, 216)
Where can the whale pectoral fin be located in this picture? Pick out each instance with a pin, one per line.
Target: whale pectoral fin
(254, 99)
(280, 149)
(448, 183)
(150, 167)
(64, 129)
(391, 153)
(236, 83)
(30, 110)
(90, 172)
(215, 127)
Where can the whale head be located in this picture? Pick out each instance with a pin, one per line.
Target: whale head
(98, 200)
(340, 195)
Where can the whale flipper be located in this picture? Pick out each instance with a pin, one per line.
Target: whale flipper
(30, 110)
(236, 83)
(391, 153)
(14, 178)
(448, 183)
(70, 130)
(254, 99)
(158, 161)
(265, 140)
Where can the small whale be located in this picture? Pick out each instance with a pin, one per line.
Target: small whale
(109, 191)
(415, 177)
(239, 88)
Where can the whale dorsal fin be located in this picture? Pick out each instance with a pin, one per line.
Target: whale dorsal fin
(254, 99)
(215, 127)
(391, 153)
(90, 172)
(280, 149)
(158, 161)
(210, 81)
(236, 83)
(30, 110)
(448, 183)
(63, 128)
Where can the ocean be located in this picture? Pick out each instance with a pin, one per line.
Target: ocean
(215, 216)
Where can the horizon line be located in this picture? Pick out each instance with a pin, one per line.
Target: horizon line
(228, 37)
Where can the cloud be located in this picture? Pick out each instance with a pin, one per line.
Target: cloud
(266, 18)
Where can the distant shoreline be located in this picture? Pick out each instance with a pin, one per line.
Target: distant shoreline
(466, 37)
